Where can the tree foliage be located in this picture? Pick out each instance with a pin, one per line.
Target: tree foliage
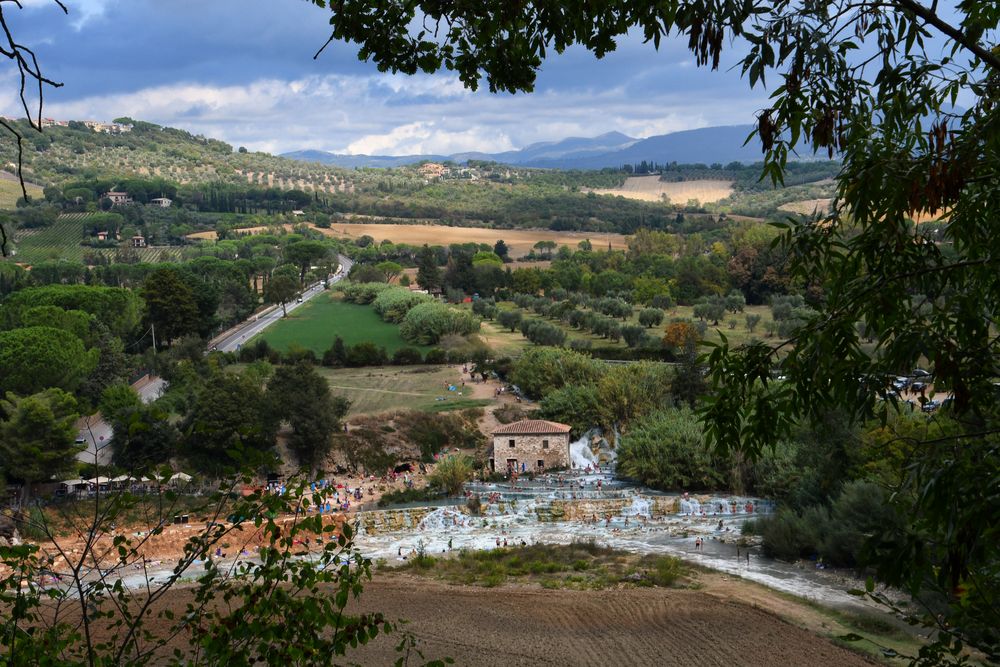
(37, 437)
(427, 323)
(35, 358)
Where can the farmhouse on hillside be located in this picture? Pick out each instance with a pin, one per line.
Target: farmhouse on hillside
(117, 198)
(162, 202)
(530, 444)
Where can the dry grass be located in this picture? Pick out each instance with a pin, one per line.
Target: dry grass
(10, 191)
(651, 188)
(520, 241)
(807, 206)
(812, 206)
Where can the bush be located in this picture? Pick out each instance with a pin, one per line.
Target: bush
(365, 354)
(298, 354)
(394, 303)
(426, 323)
(581, 344)
(363, 293)
(634, 335)
(406, 356)
(436, 355)
(451, 473)
(577, 405)
(666, 450)
(542, 370)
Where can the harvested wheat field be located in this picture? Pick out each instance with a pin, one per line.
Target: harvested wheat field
(822, 206)
(511, 626)
(519, 241)
(651, 188)
(807, 206)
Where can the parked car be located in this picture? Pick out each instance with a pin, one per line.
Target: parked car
(931, 406)
(918, 386)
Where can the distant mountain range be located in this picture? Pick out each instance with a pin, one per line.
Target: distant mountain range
(706, 145)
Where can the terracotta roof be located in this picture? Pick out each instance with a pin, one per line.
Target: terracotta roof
(532, 427)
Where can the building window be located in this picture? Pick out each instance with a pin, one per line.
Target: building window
(545, 444)
(510, 443)
(541, 463)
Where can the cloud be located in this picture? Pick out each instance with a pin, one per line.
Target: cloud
(399, 115)
(251, 81)
(423, 137)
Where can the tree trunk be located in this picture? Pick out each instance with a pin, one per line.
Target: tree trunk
(284, 311)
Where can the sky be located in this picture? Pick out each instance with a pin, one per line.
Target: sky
(243, 71)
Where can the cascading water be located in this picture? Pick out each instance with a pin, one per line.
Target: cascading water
(581, 455)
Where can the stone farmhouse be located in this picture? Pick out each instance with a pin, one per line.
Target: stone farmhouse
(530, 445)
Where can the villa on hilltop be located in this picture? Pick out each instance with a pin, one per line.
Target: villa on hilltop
(530, 444)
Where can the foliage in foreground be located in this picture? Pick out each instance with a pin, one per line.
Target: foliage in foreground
(67, 607)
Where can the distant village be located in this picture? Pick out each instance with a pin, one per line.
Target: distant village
(95, 125)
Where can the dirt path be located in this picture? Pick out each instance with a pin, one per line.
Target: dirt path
(512, 626)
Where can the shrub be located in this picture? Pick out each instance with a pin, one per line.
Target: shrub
(406, 356)
(666, 450)
(365, 354)
(426, 323)
(297, 354)
(581, 344)
(451, 473)
(362, 293)
(541, 370)
(436, 355)
(633, 335)
(394, 303)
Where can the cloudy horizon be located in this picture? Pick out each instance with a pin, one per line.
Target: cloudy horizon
(243, 71)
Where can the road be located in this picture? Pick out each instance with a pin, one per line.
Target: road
(238, 336)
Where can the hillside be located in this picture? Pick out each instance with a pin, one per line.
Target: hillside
(208, 176)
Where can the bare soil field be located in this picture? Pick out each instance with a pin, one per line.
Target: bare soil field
(651, 188)
(522, 625)
(520, 241)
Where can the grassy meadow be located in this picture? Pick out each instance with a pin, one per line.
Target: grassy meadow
(380, 389)
(315, 324)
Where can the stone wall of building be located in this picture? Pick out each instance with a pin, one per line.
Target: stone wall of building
(529, 449)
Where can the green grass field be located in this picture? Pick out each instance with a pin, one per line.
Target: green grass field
(375, 390)
(314, 325)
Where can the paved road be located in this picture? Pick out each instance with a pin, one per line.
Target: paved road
(238, 336)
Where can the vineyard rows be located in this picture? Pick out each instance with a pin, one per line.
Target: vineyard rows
(63, 241)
